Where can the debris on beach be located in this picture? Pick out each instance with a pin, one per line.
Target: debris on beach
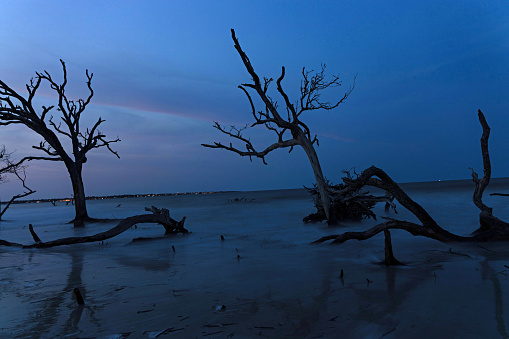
(220, 308)
(118, 336)
(238, 199)
(156, 334)
(79, 297)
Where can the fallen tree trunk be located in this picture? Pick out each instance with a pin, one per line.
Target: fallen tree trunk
(158, 216)
(491, 228)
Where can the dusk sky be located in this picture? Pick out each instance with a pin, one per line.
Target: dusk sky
(165, 70)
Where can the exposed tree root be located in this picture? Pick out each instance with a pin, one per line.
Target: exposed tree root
(354, 206)
(158, 216)
(491, 228)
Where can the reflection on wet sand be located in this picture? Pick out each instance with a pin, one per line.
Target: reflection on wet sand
(280, 287)
(368, 300)
(47, 306)
(489, 273)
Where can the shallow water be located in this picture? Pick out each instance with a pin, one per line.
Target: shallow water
(268, 276)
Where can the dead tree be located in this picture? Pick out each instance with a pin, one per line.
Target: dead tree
(491, 228)
(158, 216)
(286, 123)
(18, 171)
(17, 109)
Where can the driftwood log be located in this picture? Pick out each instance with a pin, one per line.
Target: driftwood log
(491, 228)
(158, 216)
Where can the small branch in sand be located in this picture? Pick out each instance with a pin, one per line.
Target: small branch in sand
(458, 253)
(487, 249)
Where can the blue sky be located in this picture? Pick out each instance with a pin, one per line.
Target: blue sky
(165, 70)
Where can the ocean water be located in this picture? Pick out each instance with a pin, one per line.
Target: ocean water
(268, 276)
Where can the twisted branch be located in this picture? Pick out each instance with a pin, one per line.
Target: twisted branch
(159, 216)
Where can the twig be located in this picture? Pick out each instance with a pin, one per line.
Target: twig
(394, 329)
(458, 253)
(487, 249)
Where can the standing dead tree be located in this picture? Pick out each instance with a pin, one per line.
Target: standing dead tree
(286, 124)
(17, 109)
(491, 228)
(18, 171)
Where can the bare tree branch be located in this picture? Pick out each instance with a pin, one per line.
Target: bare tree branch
(19, 171)
(481, 184)
(250, 150)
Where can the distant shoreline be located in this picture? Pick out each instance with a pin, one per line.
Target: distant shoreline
(431, 185)
(121, 196)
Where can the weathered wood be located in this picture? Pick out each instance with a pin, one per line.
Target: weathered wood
(159, 216)
(79, 297)
(481, 184)
(410, 227)
(34, 235)
(491, 228)
(389, 260)
(352, 206)
(488, 222)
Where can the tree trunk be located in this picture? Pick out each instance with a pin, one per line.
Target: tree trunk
(321, 185)
(79, 194)
(390, 260)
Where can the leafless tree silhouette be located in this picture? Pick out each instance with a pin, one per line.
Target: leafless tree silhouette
(286, 123)
(18, 171)
(17, 109)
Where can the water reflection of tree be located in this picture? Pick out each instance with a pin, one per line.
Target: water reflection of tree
(46, 319)
(397, 294)
(377, 306)
(489, 273)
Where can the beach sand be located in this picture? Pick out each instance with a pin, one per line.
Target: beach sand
(265, 279)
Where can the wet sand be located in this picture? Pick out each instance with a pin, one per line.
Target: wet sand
(265, 279)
